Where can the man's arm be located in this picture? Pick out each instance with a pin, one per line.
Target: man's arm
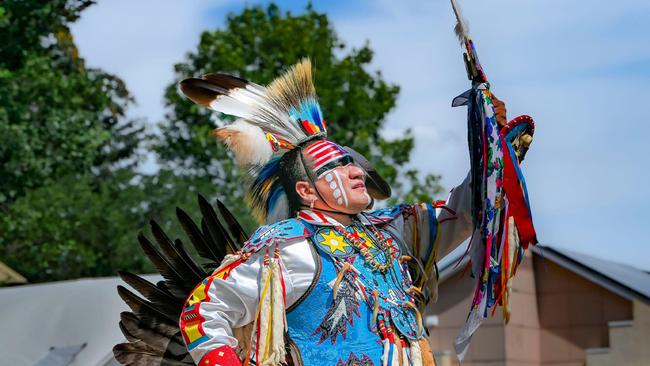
(224, 301)
(434, 229)
(229, 298)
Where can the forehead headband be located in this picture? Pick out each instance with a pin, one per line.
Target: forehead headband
(325, 155)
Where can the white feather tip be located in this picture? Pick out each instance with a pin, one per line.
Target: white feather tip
(247, 142)
(462, 28)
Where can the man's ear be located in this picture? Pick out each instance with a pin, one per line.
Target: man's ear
(305, 191)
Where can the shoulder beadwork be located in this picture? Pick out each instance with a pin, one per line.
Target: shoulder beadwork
(385, 215)
(280, 231)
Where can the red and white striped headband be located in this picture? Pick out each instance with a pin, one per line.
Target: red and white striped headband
(324, 155)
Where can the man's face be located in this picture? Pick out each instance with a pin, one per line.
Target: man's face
(344, 189)
(340, 182)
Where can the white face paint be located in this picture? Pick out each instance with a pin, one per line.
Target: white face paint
(335, 184)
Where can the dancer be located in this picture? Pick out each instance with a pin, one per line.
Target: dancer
(326, 280)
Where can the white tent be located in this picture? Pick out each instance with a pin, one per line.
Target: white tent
(65, 315)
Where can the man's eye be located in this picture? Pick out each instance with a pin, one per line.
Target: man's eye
(346, 160)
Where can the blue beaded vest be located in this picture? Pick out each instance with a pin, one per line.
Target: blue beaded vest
(344, 330)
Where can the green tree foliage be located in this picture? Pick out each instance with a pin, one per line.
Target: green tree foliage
(71, 202)
(66, 151)
(57, 117)
(70, 229)
(258, 44)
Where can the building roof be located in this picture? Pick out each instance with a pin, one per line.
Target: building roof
(627, 281)
(9, 276)
(43, 320)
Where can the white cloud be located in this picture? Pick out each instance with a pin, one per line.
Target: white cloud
(140, 41)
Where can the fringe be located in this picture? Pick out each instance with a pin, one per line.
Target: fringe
(394, 355)
(270, 321)
(271, 316)
(264, 316)
(416, 353)
(427, 354)
(405, 354)
(384, 356)
(278, 351)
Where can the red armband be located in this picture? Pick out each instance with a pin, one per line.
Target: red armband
(222, 356)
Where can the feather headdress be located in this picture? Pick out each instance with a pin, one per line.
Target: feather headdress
(271, 121)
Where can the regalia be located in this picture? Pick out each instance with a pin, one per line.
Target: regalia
(303, 289)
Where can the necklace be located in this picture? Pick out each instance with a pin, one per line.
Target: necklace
(383, 245)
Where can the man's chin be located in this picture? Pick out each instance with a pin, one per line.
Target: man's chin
(358, 206)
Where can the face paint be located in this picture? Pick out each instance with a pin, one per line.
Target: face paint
(339, 192)
(326, 155)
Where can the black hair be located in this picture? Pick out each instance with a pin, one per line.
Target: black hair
(291, 171)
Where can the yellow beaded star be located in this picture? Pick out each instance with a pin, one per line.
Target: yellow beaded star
(334, 241)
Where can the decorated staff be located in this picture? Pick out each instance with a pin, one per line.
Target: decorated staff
(501, 214)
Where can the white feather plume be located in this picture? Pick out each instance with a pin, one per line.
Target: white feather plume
(462, 27)
(241, 102)
(248, 142)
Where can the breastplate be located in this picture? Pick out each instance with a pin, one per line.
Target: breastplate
(343, 330)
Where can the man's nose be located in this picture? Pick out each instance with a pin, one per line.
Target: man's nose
(356, 172)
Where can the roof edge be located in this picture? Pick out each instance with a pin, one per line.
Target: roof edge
(589, 273)
(9, 276)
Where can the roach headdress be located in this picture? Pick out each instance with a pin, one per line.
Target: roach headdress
(272, 120)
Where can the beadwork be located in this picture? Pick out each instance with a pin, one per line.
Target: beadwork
(363, 248)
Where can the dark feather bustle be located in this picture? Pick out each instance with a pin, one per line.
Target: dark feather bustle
(151, 328)
(236, 230)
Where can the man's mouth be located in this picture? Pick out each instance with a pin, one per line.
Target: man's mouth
(359, 185)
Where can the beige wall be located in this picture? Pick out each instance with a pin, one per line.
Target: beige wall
(492, 344)
(628, 341)
(522, 332)
(556, 316)
(573, 314)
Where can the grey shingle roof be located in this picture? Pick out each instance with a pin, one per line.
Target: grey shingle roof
(631, 280)
(627, 281)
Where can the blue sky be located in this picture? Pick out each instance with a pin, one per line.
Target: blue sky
(580, 68)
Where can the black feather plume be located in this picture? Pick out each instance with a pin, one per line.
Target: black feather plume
(196, 237)
(145, 310)
(187, 272)
(161, 299)
(174, 280)
(236, 230)
(215, 229)
(164, 340)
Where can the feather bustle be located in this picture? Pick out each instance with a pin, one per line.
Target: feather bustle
(222, 240)
(203, 248)
(236, 230)
(144, 309)
(174, 280)
(162, 300)
(164, 343)
(187, 270)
